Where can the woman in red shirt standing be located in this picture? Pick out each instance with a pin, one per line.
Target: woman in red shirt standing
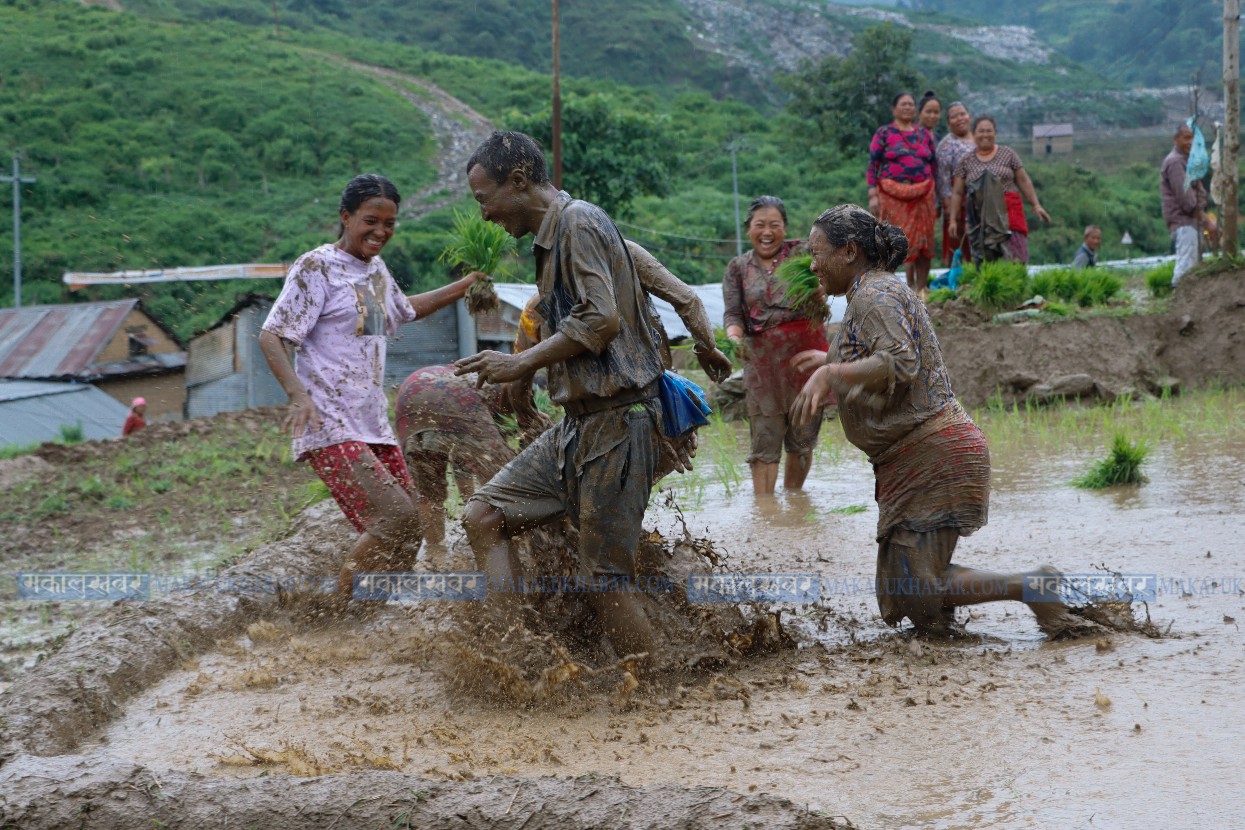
(135, 421)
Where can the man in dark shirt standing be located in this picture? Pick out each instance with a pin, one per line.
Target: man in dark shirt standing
(604, 362)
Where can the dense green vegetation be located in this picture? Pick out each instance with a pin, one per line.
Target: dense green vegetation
(1147, 42)
(639, 42)
(162, 145)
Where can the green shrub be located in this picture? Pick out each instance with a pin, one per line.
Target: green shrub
(998, 285)
(71, 434)
(1122, 466)
(1159, 280)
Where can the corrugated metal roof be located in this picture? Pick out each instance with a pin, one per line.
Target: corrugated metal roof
(15, 390)
(63, 341)
(31, 411)
(57, 340)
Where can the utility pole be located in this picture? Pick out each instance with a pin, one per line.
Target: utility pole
(17, 179)
(557, 107)
(1231, 121)
(735, 146)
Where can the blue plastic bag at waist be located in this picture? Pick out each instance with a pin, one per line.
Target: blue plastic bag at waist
(683, 405)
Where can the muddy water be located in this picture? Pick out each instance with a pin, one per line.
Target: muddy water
(1008, 731)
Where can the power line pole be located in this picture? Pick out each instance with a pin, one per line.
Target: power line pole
(18, 180)
(735, 146)
(557, 106)
(1231, 121)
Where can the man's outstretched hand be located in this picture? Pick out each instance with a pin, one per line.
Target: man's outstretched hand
(491, 367)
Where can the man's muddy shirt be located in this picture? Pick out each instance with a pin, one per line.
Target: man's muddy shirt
(885, 321)
(598, 284)
(337, 310)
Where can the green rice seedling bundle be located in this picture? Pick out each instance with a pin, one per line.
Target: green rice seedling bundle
(1057, 284)
(999, 285)
(939, 295)
(478, 245)
(1097, 287)
(800, 287)
(1159, 280)
(1121, 466)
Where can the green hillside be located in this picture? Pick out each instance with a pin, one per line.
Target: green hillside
(640, 42)
(204, 142)
(164, 145)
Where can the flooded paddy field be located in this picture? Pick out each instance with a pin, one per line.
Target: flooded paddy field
(858, 721)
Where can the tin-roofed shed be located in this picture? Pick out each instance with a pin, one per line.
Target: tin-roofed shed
(115, 345)
(34, 411)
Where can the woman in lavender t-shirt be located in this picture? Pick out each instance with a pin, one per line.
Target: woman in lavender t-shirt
(338, 305)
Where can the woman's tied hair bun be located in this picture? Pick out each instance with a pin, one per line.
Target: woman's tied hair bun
(883, 245)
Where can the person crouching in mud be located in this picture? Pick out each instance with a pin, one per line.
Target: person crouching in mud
(895, 402)
(338, 304)
(603, 359)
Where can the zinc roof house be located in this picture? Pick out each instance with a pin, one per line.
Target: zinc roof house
(33, 411)
(114, 345)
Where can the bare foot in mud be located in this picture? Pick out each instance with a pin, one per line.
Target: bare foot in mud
(1054, 617)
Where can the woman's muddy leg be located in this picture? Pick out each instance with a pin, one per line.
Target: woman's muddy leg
(796, 470)
(921, 273)
(969, 586)
(764, 478)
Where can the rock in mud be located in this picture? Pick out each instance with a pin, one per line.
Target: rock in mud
(1078, 385)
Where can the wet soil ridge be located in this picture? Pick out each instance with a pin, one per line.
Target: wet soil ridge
(459, 129)
(102, 794)
(83, 685)
(1198, 340)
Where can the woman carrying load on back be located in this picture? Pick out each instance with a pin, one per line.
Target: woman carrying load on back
(929, 458)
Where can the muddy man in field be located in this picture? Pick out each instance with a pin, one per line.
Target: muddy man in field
(895, 403)
(603, 357)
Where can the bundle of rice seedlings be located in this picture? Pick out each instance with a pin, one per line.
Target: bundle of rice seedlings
(477, 245)
(1122, 466)
(998, 285)
(939, 295)
(1097, 287)
(1159, 280)
(800, 287)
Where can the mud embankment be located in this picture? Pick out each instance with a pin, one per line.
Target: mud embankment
(1200, 339)
(79, 792)
(83, 685)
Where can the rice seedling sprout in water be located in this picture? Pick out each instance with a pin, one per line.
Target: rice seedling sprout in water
(478, 245)
(1121, 466)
